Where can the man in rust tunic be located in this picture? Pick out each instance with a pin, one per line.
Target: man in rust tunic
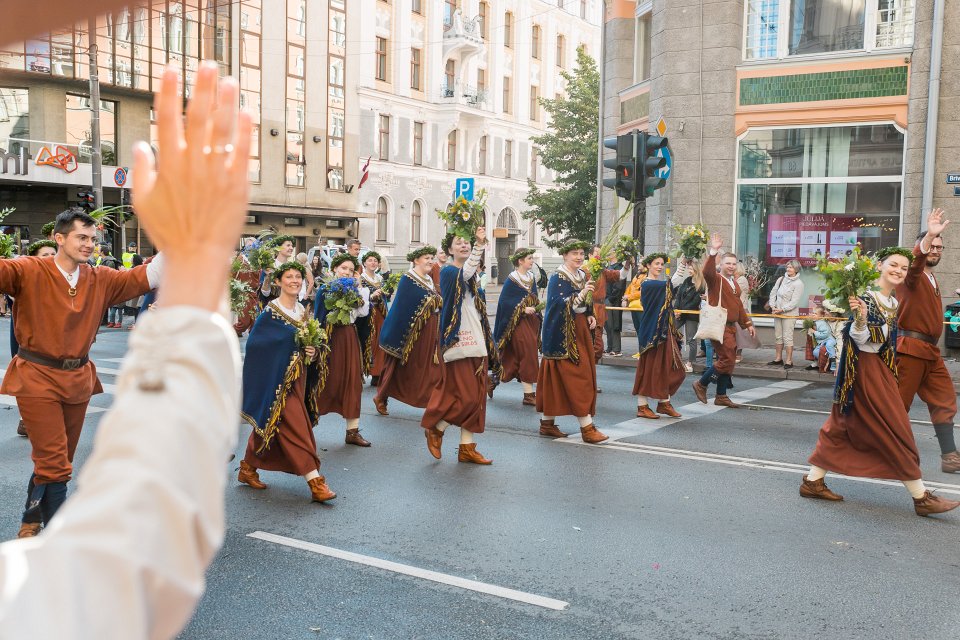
(920, 368)
(59, 306)
(725, 283)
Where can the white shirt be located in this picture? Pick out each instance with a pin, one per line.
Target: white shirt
(470, 340)
(154, 271)
(862, 336)
(126, 554)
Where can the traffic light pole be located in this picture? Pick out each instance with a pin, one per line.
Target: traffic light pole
(96, 158)
(640, 223)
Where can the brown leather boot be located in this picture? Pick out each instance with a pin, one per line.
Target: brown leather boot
(353, 437)
(248, 475)
(381, 406)
(374, 381)
(818, 489)
(29, 529)
(949, 462)
(319, 491)
(530, 399)
(930, 504)
(700, 391)
(22, 429)
(591, 435)
(549, 428)
(725, 401)
(665, 408)
(644, 411)
(434, 441)
(469, 453)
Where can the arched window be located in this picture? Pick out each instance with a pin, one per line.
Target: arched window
(452, 151)
(416, 215)
(383, 214)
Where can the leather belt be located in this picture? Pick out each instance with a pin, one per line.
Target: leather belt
(67, 364)
(906, 333)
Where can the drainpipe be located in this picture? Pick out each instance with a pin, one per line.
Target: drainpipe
(603, 75)
(933, 108)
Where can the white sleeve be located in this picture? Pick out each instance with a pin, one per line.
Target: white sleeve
(473, 262)
(363, 311)
(680, 275)
(125, 556)
(155, 270)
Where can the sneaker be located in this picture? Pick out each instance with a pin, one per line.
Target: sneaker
(688, 367)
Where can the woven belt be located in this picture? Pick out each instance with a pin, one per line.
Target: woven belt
(67, 364)
(906, 333)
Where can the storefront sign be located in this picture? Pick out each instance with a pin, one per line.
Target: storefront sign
(953, 178)
(62, 159)
(808, 237)
(20, 165)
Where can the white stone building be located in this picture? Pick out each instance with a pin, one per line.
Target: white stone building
(448, 89)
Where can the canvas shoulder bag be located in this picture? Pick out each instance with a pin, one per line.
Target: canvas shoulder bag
(713, 320)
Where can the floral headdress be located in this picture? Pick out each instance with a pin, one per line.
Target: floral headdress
(520, 254)
(279, 240)
(422, 251)
(47, 229)
(287, 266)
(573, 245)
(886, 252)
(34, 248)
(372, 254)
(340, 258)
(653, 256)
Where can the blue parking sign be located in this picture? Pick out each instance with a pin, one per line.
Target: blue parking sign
(464, 188)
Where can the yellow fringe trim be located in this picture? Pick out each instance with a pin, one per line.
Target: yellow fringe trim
(269, 430)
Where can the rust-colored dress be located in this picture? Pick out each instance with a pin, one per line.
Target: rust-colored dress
(520, 354)
(344, 386)
(293, 448)
(660, 371)
(460, 397)
(565, 388)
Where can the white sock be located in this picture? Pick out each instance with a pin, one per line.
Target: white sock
(466, 437)
(310, 475)
(816, 473)
(442, 426)
(641, 402)
(527, 387)
(585, 421)
(915, 487)
(353, 423)
(549, 418)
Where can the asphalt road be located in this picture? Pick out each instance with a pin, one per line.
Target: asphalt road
(675, 529)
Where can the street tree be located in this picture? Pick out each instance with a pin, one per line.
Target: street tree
(568, 208)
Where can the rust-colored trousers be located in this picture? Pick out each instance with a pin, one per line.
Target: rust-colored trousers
(53, 428)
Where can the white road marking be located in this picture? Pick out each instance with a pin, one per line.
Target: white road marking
(643, 426)
(753, 463)
(823, 413)
(416, 572)
(10, 401)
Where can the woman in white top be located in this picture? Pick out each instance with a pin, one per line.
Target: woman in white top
(785, 299)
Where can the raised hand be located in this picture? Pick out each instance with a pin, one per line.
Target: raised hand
(716, 241)
(481, 235)
(935, 223)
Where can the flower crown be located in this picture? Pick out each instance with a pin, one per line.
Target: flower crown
(39, 244)
(372, 254)
(653, 256)
(279, 240)
(573, 245)
(886, 252)
(427, 250)
(520, 255)
(340, 258)
(287, 266)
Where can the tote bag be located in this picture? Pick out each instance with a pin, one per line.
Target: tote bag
(713, 321)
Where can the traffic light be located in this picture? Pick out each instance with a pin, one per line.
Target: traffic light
(86, 199)
(624, 164)
(650, 162)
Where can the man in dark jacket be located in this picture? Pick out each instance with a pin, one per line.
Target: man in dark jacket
(614, 324)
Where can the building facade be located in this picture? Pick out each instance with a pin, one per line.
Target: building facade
(449, 89)
(797, 127)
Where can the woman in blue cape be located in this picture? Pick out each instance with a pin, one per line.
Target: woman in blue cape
(517, 328)
(868, 432)
(660, 370)
(410, 337)
(467, 349)
(338, 306)
(281, 380)
(567, 381)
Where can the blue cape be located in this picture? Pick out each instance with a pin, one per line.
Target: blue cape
(513, 298)
(413, 304)
(452, 287)
(559, 339)
(847, 364)
(274, 360)
(657, 318)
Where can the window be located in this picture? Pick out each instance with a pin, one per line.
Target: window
(452, 151)
(415, 69)
(535, 42)
(449, 79)
(583, 9)
(508, 158)
(804, 192)
(482, 160)
(507, 101)
(561, 52)
(449, 8)
(382, 219)
(508, 30)
(384, 140)
(416, 221)
(78, 129)
(533, 164)
(534, 104)
(417, 6)
(336, 99)
(418, 143)
(250, 69)
(532, 234)
(14, 117)
(641, 48)
(295, 168)
(381, 73)
(782, 28)
(482, 13)
(482, 82)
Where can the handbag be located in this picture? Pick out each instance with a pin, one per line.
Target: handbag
(713, 321)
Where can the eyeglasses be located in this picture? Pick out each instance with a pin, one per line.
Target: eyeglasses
(937, 248)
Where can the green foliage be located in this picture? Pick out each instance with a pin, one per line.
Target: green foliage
(262, 257)
(390, 283)
(846, 278)
(568, 208)
(239, 296)
(463, 216)
(628, 247)
(692, 242)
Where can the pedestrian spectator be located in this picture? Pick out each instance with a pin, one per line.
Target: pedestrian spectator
(114, 313)
(353, 248)
(632, 297)
(825, 344)
(614, 324)
(688, 296)
(307, 279)
(785, 297)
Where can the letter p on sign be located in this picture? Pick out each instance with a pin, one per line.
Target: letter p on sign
(464, 188)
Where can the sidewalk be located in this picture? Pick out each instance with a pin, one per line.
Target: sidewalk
(754, 364)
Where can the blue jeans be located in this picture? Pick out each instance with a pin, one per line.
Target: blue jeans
(830, 345)
(115, 315)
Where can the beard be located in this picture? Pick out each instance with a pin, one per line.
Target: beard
(933, 261)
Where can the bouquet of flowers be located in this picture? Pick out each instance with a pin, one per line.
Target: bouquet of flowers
(757, 276)
(628, 247)
(848, 277)
(240, 293)
(540, 307)
(311, 334)
(261, 256)
(693, 240)
(341, 296)
(390, 283)
(463, 216)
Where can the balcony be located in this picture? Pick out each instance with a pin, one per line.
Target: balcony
(463, 94)
(462, 37)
